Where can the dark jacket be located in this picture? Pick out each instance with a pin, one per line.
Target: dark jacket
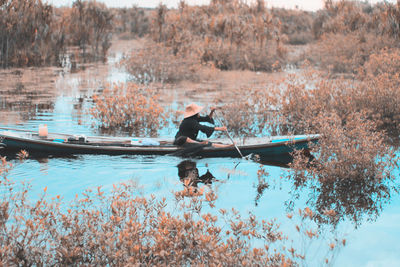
(191, 126)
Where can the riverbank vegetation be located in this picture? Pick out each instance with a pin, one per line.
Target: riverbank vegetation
(36, 34)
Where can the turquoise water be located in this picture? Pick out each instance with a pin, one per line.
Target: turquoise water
(63, 107)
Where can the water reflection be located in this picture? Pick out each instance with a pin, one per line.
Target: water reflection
(189, 174)
(335, 200)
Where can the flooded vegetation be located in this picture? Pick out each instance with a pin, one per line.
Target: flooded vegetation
(92, 70)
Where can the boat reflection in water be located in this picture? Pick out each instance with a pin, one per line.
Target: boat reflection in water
(189, 174)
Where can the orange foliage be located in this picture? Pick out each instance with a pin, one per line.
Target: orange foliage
(29, 34)
(231, 35)
(129, 107)
(157, 63)
(121, 228)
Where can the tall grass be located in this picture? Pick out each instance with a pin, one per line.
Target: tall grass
(131, 22)
(29, 34)
(90, 26)
(37, 34)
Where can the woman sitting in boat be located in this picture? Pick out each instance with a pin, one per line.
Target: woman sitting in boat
(190, 127)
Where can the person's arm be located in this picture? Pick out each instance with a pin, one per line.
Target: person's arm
(206, 118)
(206, 129)
(212, 112)
(222, 128)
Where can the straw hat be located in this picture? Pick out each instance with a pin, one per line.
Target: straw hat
(191, 110)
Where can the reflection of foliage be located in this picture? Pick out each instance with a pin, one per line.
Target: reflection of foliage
(352, 173)
(130, 108)
(353, 198)
(262, 184)
(309, 235)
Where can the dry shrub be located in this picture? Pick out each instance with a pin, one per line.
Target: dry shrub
(231, 57)
(352, 172)
(36, 34)
(305, 98)
(290, 106)
(247, 112)
(122, 228)
(29, 34)
(379, 93)
(343, 17)
(228, 34)
(346, 53)
(128, 107)
(89, 27)
(385, 61)
(348, 32)
(131, 22)
(296, 25)
(157, 63)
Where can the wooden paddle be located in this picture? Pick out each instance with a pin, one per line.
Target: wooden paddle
(227, 133)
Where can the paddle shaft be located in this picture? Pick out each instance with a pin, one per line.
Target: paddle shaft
(227, 133)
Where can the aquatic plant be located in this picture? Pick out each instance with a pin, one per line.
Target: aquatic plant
(129, 107)
(122, 227)
(352, 172)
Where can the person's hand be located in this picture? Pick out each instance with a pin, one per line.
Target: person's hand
(205, 142)
(212, 111)
(222, 128)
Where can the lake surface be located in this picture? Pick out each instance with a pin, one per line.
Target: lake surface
(61, 99)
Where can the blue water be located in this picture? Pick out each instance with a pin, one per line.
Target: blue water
(373, 243)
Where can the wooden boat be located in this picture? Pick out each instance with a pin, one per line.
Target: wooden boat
(269, 148)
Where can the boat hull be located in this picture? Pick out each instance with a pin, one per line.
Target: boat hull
(277, 151)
